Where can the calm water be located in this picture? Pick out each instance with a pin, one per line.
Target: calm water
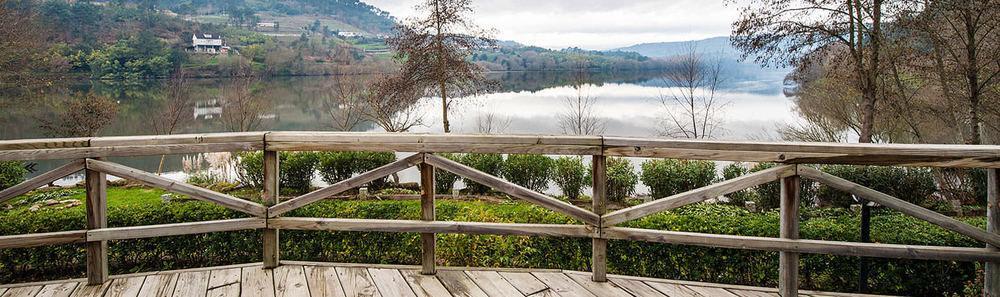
(529, 102)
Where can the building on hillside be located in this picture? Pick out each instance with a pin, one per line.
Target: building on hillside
(208, 43)
(348, 34)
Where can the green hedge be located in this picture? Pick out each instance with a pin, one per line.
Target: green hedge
(571, 176)
(917, 278)
(666, 177)
(11, 173)
(295, 170)
(529, 170)
(491, 164)
(622, 179)
(337, 166)
(914, 185)
(444, 181)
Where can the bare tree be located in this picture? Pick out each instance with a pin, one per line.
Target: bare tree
(790, 31)
(23, 49)
(175, 112)
(579, 116)
(693, 105)
(393, 103)
(436, 47)
(242, 109)
(345, 102)
(85, 115)
(492, 123)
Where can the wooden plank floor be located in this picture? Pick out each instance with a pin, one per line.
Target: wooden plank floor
(349, 280)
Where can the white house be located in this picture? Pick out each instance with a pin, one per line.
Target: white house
(348, 34)
(207, 43)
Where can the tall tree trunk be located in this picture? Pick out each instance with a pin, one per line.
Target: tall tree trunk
(972, 77)
(444, 107)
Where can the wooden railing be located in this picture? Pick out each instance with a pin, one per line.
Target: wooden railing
(86, 154)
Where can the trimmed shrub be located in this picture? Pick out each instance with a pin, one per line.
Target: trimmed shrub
(733, 266)
(621, 179)
(491, 164)
(914, 185)
(570, 175)
(297, 170)
(732, 171)
(666, 177)
(11, 173)
(250, 168)
(338, 166)
(528, 170)
(444, 181)
(767, 196)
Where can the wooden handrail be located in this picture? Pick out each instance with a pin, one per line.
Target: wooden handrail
(600, 227)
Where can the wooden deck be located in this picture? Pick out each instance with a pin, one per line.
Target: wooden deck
(329, 280)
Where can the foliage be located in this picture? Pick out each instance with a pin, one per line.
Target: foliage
(444, 181)
(297, 171)
(732, 171)
(250, 169)
(914, 185)
(11, 173)
(768, 196)
(83, 117)
(830, 273)
(142, 56)
(570, 175)
(529, 170)
(667, 177)
(491, 164)
(338, 166)
(621, 179)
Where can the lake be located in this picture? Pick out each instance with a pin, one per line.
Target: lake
(529, 101)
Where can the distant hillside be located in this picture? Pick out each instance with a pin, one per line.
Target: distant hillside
(340, 14)
(711, 48)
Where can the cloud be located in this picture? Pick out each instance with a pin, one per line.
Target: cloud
(593, 24)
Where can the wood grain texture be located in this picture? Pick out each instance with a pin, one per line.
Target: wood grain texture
(788, 262)
(562, 284)
(29, 291)
(637, 288)
(290, 281)
(57, 290)
(344, 185)
(525, 282)
(599, 288)
(126, 151)
(257, 282)
(493, 283)
(85, 290)
(136, 232)
(323, 281)
(159, 285)
(902, 206)
(41, 239)
(378, 225)
(96, 184)
(514, 189)
(357, 282)
(270, 236)
(599, 246)
(433, 143)
(673, 290)
(198, 193)
(459, 284)
(991, 283)
(697, 195)
(390, 282)
(192, 283)
(224, 282)
(427, 213)
(125, 287)
(424, 285)
(42, 180)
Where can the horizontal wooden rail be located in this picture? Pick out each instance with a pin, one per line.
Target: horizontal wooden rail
(374, 225)
(433, 143)
(136, 232)
(878, 250)
(42, 239)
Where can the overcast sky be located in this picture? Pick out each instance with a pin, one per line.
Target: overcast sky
(593, 24)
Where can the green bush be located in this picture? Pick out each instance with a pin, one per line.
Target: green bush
(250, 168)
(666, 177)
(297, 170)
(732, 171)
(570, 175)
(621, 179)
(491, 164)
(529, 170)
(11, 173)
(914, 185)
(338, 166)
(444, 181)
(733, 266)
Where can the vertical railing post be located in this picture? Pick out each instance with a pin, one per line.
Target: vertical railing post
(991, 283)
(599, 251)
(427, 213)
(270, 197)
(97, 218)
(788, 263)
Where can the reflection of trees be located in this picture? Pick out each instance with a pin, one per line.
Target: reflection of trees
(83, 117)
(242, 109)
(693, 106)
(344, 101)
(394, 103)
(579, 117)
